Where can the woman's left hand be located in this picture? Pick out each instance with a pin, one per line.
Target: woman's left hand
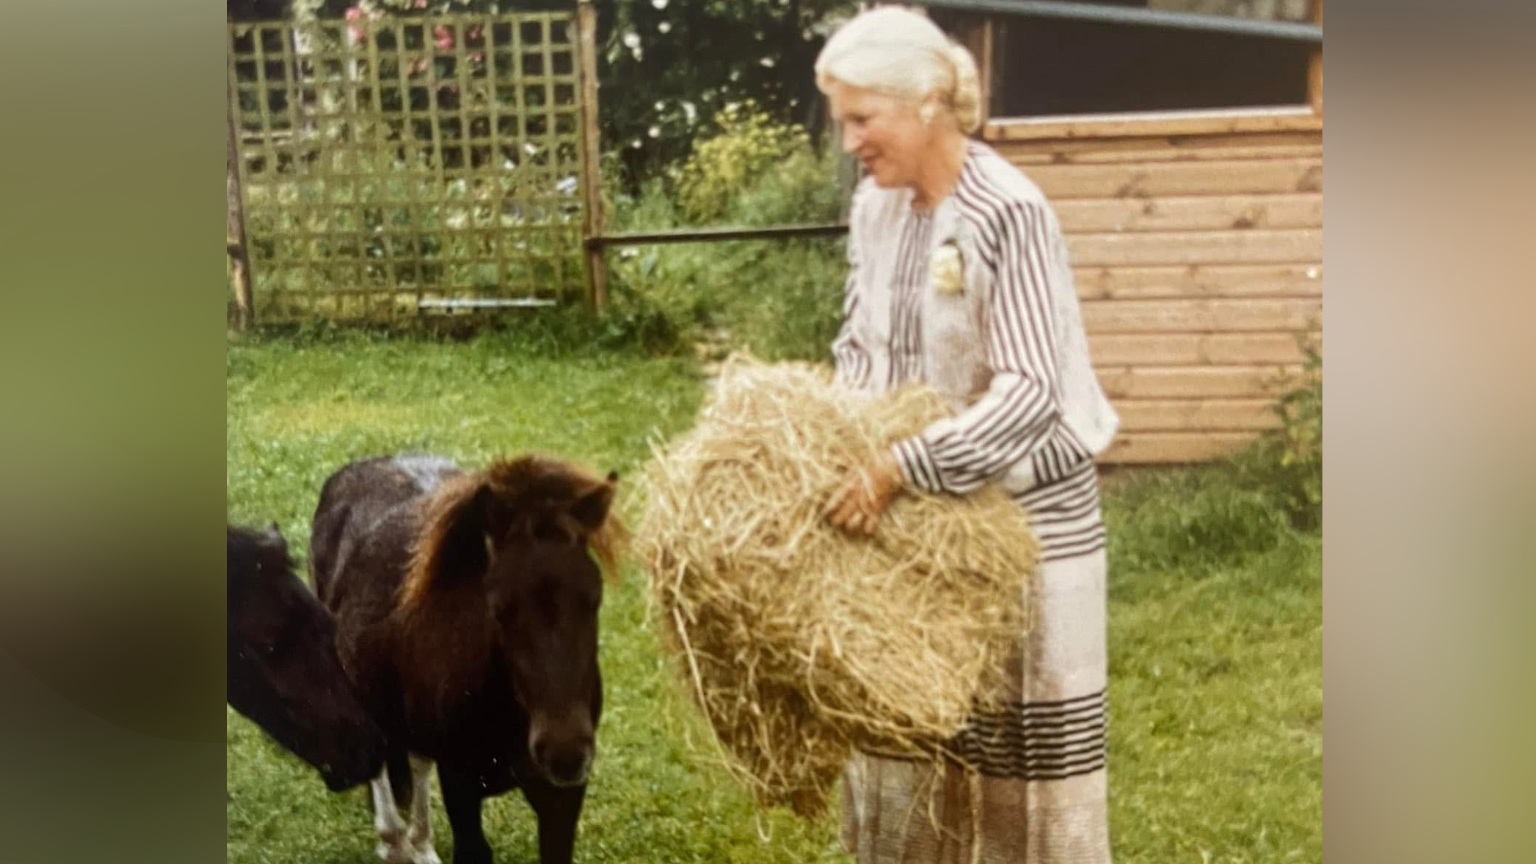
(864, 494)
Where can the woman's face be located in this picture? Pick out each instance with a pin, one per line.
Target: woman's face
(885, 133)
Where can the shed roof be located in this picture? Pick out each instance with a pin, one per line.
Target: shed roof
(1066, 9)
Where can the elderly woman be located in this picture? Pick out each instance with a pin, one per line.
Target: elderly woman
(959, 279)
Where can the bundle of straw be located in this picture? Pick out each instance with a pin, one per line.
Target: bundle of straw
(800, 642)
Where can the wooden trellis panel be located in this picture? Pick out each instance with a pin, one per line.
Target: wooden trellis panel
(408, 164)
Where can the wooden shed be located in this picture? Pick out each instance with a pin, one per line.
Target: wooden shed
(1183, 152)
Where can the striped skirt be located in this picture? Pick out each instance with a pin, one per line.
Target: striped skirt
(1036, 788)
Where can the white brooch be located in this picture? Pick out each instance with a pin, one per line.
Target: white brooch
(946, 271)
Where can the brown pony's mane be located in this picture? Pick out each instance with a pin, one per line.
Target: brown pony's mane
(524, 484)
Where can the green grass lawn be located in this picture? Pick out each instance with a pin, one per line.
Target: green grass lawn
(1215, 648)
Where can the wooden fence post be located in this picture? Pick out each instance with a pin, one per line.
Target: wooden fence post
(234, 222)
(1315, 69)
(591, 173)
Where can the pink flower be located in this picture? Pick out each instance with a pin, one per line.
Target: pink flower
(419, 4)
(354, 14)
(442, 36)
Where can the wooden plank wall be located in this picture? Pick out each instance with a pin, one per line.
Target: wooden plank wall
(1198, 248)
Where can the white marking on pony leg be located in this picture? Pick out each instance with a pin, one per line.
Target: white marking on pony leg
(420, 834)
(392, 848)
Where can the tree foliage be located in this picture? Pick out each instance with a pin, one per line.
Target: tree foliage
(668, 66)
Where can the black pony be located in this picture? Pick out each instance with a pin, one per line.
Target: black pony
(283, 672)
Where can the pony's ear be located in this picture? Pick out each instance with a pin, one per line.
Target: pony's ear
(606, 535)
(590, 509)
(453, 536)
(271, 538)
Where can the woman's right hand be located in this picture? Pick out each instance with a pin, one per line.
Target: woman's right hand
(860, 500)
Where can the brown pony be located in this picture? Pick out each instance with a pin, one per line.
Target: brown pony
(466, 607)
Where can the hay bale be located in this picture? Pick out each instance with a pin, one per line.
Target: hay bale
(798, 641)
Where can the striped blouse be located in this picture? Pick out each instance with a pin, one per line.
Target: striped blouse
(1005, 345)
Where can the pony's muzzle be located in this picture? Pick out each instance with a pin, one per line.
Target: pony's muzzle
(359, 749)
(564, 760)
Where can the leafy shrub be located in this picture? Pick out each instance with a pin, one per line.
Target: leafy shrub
(1288, 460)
(1197, 519)
(749, 145)
(778, 298)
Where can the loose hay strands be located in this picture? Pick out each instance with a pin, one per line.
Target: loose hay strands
(801, 642)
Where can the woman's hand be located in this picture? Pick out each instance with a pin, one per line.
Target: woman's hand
(864, 494)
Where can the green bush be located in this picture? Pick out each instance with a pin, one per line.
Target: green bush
(748, 146)
(779, 299)
(1196, 520)
(1288, 460)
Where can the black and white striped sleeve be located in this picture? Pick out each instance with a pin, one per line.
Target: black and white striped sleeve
(850, 359)
(1021, 406)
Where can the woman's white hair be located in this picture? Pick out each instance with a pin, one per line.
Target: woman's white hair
(899, 53)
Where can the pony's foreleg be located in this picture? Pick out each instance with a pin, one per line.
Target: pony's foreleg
(393, 847)
(420, 832)
(558, 809)
(462, 795)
